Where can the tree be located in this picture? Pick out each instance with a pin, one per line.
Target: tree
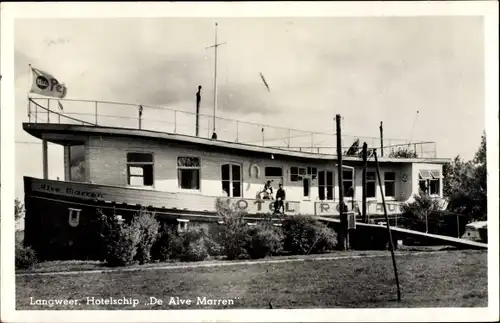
(416, 213)
(465, 184)
(18, 209)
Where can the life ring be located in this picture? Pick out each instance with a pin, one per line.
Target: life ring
(257, 170)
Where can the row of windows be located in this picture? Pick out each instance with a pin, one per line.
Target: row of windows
(140, 173)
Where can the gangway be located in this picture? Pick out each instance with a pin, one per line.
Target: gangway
(400, 233)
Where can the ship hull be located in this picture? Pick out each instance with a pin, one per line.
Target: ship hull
(61, 220)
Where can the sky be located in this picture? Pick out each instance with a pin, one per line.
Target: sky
(368, 69)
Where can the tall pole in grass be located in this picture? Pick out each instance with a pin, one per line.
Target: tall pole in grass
(343, 218)
(388, 228)
(365, 162)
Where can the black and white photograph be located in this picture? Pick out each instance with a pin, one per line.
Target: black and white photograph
(322, 161)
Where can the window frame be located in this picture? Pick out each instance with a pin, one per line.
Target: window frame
(231, 163)
(132, 164)
(325, 185)
(273, 176)
(70, 166)
(371, 181)
(390, 181)
(428, 178)
(299, 176)
(184, 167)
(352, 180)
(182, 225)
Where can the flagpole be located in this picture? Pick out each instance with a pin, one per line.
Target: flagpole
(215, 46)
(30, 80)
(214, 136)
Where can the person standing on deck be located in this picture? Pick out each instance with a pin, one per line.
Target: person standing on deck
(280, 200)
(268, 191)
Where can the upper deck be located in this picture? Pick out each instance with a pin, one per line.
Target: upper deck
(84, 116)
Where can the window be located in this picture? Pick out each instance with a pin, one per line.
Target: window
(348, 182)
(429, 181)
(305, 186)
(325, 185)
(140, 169)
(273, 172)
(371, 185)
(297, 173)
(231, 179)
(390, 184)
(312, 171)
(182, 225)
(188, 173)
(77, 163)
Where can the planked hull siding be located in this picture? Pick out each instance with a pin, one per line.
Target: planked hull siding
(147, 198)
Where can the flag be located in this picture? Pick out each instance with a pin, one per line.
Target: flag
(265, 83)
(60, 105)
(44, 83)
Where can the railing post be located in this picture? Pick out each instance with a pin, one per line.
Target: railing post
(140, 117)
(289, 137)
(29, 110)
(36, 113)
(312, 141)
(48, 110)
(262, 130)
(237, 130)
(175, 121)
(96, 113)
(59, 118)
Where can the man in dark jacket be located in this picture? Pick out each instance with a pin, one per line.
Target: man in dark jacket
(280, 200)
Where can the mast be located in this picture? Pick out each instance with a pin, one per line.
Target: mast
(215, 46)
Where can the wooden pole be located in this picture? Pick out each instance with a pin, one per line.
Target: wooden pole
(45, 159)
(365, 162)
(381, 139)
(391, 244)
(343, 219)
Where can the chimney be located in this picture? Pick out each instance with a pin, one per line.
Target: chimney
(198, 100)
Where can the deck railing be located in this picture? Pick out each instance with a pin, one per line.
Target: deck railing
(155, 118)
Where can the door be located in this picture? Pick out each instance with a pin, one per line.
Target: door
(325, 185)
(231, 179)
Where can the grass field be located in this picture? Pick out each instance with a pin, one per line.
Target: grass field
(433, 279)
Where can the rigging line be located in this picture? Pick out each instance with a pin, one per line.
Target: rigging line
(276, 139)
(413, 127)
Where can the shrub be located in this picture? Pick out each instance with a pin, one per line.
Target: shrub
(304, 235)
(233, 238)
(213, 247)
(190, 245)
(263, 241)
(120, 240)
(161, 249)
(122, 251)
(146, 225)
(25, 257)
(233, 233)
(195, 250)
(326, 239)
